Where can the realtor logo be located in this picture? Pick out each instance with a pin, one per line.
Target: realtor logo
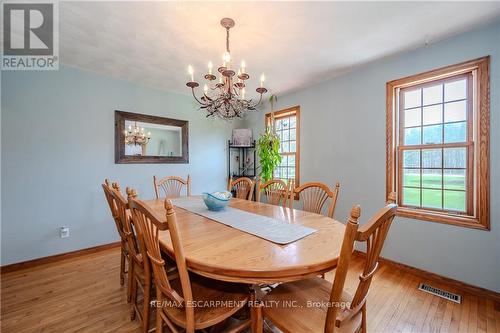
(30, 36)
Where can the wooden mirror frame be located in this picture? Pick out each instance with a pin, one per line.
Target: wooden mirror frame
(121, 158)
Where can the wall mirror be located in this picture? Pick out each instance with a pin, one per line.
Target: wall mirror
(143, 138)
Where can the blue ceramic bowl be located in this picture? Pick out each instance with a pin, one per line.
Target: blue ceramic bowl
(217, 201)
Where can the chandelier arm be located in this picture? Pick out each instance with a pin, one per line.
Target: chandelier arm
(235, 92)
(196, 98)
(256, 104)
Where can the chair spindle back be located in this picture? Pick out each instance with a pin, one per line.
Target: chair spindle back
(151, 225)
(314, 195)
(342, 268)
(108, 189)
(276, 191)
(171, 186)
(374, 233)
(243, 187)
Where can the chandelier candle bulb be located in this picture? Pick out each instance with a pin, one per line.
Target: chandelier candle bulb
(191, 72)
(227, 57)
(262, 79)
(225, 63)
(205, 89)
(210, 66)
(243, 67)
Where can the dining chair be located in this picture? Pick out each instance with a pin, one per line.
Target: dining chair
(176, 297)
(336, 310)
(108, 188)
(243, 187)
(275, 190)
(139, 272)
(171, 186)
(313, 197)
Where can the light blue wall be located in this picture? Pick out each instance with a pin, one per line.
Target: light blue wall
(343, 138)
(58, 146)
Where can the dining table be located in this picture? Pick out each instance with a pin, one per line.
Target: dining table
(221, 252)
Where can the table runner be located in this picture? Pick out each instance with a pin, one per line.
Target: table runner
(273, 230)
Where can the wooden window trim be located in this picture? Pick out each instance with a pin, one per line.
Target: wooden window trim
(480, 218)
(284, 113)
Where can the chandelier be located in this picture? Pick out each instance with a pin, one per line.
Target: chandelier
(226, 98)
(136, 135)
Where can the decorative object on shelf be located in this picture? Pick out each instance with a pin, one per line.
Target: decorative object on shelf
(228, 98)
(136, 135)
(268, 147)
(242, 137)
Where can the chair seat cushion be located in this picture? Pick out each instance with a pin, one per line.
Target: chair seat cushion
(213, 301)
(302, 306)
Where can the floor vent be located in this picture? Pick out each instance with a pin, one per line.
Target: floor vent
(441, 293)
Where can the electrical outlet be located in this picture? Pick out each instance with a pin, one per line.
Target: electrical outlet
(64, 232)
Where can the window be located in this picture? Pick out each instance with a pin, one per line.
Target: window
(287, 125)
(437, 144)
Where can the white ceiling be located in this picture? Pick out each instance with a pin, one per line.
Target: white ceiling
(294, 43)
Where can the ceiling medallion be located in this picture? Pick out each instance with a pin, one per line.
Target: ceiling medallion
(226, 98)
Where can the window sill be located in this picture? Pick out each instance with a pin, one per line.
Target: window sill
(426, 215)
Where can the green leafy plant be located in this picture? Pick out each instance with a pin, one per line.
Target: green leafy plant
(268, 147)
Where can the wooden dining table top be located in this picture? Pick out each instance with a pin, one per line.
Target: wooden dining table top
(215, 250)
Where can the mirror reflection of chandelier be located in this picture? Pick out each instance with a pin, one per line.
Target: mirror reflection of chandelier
(226, 98)
(136, 135)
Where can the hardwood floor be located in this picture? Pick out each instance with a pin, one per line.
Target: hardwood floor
(84, 295)
(77, 295)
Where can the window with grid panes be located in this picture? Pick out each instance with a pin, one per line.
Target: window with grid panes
(287, 125)
(438, 145)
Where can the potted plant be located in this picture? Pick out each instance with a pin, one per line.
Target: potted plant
(268, 146)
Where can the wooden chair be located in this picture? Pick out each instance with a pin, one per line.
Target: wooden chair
(107, 187)
(171, 186)
(314, 197)
(346, 313)
(187, 289)
(243, 187)
(139, 275)
(276, 191)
